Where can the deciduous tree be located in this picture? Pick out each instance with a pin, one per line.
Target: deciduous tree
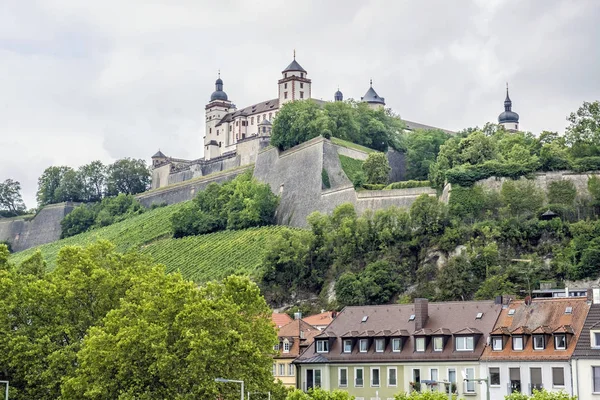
(11, 202)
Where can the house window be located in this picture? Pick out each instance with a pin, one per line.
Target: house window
(251, 120)
(313, 378)
(438, 343)
(595, 339)
(237, 123)
(286, 346)
(464, 343)
(291, 370)
(494, 376)
(558, 377)
(517, 342)
(285, 75)
(392, 376)
(514, 375)
(348, 346)
(363, 345)
(497, 343)
(396, 345)
(451, 375)
(420, 344)
(375, 377)
(317, 379)
(276, 347)
(560, 342)
(434, 376)
(596, 374)
(301, 95)
(539, 342)
(285, 85)
(358, 379)
(301, 85)
(285, 95)
(535, 375)
(281, 369)
(209, 130)
(217, 132)
(470, 385)
(322, 346)
(379, 345)
(416, 376)
(274, 369)
(343, 374)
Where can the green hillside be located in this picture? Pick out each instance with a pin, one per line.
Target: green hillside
(200, 258)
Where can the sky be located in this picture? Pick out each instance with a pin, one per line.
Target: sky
(102, 80)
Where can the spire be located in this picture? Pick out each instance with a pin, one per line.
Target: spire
(294, 54)
(507, 101)
(371, 82)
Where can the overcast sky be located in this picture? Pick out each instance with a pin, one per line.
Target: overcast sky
(86, 80)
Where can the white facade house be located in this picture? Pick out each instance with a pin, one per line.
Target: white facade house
(585, 362)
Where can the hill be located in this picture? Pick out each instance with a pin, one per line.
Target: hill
(199, 258)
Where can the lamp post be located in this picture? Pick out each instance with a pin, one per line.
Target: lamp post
(223, 380)
(430, 382)
(480, 380)
(6, 383)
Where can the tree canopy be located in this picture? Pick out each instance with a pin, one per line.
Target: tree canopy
(11, 202)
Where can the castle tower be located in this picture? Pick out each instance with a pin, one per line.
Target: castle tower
(508, 119)
(294, 85)
(338, 96)
(158, 158)
(372, 98)
(216, 135)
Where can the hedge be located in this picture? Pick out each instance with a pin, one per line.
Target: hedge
(586, 164)
(408, 185)
(467, 175)
(372, 186)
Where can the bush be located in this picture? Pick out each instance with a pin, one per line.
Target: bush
(79, 220)
(586, 164)
(374, 187)
(408, 185)
(325, 179)
(540, 395)
(562, 192)
(376, 168)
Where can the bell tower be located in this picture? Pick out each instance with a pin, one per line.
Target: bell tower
(215, 137)
(294, 85)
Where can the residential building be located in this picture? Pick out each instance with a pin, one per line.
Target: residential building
(280, 319)
(379, 351)
(294, 339)
(320, 321)
(531, 345)
(585, 362)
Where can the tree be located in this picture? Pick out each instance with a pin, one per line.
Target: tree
(583, 134)
(377, 168)
(70, 187)
(297, 122)
(562, 192)
(493, 286)
(11, 202)
(48, 185)
(169, 339)
(128, 176)
(456, 281)
(79, 220)
(521, 198)
(93, 177)
(422, 148)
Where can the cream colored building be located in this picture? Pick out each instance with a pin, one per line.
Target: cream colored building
(585, 362)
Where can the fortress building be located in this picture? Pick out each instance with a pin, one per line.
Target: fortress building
(233, 137)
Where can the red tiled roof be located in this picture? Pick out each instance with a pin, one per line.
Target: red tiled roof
(319, 319)
(280, 319)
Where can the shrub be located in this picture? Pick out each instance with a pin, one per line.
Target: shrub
(376, 168)
(562, 192)
(586, 164)
(77, 221)
(325, 179)
(380, 186)
(408, 185)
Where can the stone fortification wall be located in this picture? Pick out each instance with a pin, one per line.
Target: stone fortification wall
(203, 168)
(187, 190)
(43, 228)
(295, 175)
(543, 180)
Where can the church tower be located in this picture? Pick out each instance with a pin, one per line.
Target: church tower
(294, 85)
(338, 96)
(216, 135)
(372, 98)
(508, 119)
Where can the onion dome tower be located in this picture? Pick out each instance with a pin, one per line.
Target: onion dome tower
(216, 109)
(338, 96)
(372, 98)
(508, 119)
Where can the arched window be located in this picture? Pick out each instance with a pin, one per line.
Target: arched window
(286, 346)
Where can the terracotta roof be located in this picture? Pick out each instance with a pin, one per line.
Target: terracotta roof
(501, 330)
(319, 319)
(584, 347)
(258, 108)
(280, 319)
(394, 318)
(544, 315)
(299, 334)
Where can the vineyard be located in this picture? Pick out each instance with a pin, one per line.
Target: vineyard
(216, 255)
(200, 258)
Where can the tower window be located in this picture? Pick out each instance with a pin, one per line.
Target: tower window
(301, 95)
(285, 95)
(252, 121)
(285, 85)
(301, 85)
(270, 114)
(209, 130)
(286, 74)
(301, 74)
(217, 132)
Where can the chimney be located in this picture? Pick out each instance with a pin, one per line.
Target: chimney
(593, 295)
(421, 313)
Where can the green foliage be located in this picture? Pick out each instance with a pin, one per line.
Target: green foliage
(425, 395)
(379, 186)
(378, 283)
(353, 169)
(541, 395)
(521, 198)
(587, 163)
(237, 204)
(495, 285)
(377, 168)
(562, 192)
(299, 121)
(408, 184)
(319, 394)
(583, 134)
(593, 185)
(325, 179)
(422, 148)
(128, 175)
(11, 202)
(457, 280)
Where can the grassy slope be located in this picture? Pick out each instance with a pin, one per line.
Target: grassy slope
(351, 145)
(199, 258)
(351, 166)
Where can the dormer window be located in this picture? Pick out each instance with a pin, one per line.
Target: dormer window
(560, 342)
(438, 343)
(276, 347)
(322, 346)
(595, 339)
(286, 346)
(397, 345)
(363, 345)
(379, 345)
(517, 343)
(348, 346)
(497, 343)
(464, 343)
(420, 344)
(539, 342)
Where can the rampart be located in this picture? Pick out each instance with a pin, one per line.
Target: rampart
(43, 228)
